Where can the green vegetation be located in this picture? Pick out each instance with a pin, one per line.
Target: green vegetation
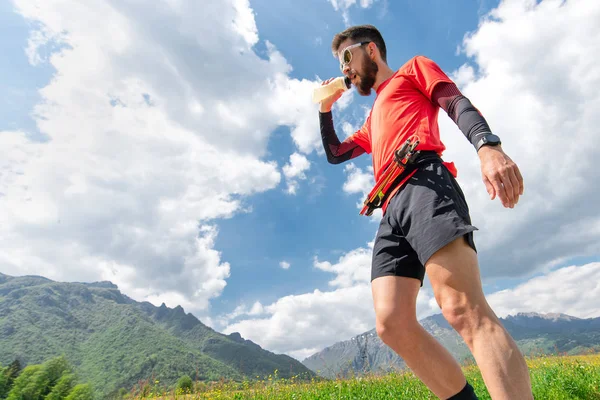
(114, 342)
(52, 380)
(553, 377)
(185, 384)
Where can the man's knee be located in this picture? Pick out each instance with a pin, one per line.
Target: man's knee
(467, 317)
(457, 312)
(393, 326)
(395, 301)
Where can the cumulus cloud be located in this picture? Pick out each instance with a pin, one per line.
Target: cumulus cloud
(295, 171)
(150, 141)
(572, 290)
(288, 325)
(353, 268)
(357, 180)
(256, 309)
(532, 76)
(348, 129)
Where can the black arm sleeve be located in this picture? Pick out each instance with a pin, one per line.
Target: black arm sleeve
(459, 108)
(336, 152)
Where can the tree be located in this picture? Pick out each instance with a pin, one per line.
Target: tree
(185, 384)
(13, 370)
(81, 392)
(63, 386)
(56, 368)
(28, 384)
(4, 383)
(8, 376)
(39, 381)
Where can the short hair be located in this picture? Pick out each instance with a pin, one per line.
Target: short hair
(360, 33)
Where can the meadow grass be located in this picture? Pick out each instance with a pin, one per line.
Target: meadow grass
(552, 378)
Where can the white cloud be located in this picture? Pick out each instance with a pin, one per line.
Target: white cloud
(244, 22)
(257, 309)
(348, 128)
(357, 180)
(344, 102)
(536, 67)
(241, 310)
(134, 175)
(353, 268)
(344, 7)
(288, 325)
(295, 171)
(572, 290)
(290, 104)
(284, 265)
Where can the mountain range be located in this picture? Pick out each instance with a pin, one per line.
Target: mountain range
(114, 342)
(535, 334)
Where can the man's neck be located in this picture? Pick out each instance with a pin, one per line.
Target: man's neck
(383, 75)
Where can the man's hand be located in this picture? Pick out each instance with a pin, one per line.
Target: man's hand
(501, 175)
(327, 102)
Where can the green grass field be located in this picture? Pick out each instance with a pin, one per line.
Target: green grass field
(553, 378)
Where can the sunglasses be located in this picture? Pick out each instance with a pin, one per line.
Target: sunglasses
(347, 54)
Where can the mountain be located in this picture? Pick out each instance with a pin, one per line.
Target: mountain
(114, 342)
(534, 333)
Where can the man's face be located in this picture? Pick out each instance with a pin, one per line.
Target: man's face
(361, 69)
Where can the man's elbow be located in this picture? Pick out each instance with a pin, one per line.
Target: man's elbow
(334, 160)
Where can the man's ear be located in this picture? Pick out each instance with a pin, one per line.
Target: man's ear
(372, 50)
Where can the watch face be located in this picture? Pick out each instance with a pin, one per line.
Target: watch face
(491, 140)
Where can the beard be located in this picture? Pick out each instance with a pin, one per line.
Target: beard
(367, 77)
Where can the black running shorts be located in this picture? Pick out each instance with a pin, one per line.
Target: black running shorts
(426, 214)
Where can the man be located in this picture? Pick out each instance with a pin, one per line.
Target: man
(426, 227)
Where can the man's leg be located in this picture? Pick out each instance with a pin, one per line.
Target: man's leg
(395, 301)
(454, 275)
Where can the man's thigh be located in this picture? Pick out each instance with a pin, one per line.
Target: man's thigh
(453, 272)
(395, 297)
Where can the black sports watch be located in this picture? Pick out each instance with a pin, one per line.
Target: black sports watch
(489, 139)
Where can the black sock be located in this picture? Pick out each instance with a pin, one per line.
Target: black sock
(467, 393)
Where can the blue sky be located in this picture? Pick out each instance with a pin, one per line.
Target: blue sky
(175, 152)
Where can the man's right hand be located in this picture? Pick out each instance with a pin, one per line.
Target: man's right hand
(327, 102)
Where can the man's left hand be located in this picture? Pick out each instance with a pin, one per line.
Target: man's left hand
(501, 175)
